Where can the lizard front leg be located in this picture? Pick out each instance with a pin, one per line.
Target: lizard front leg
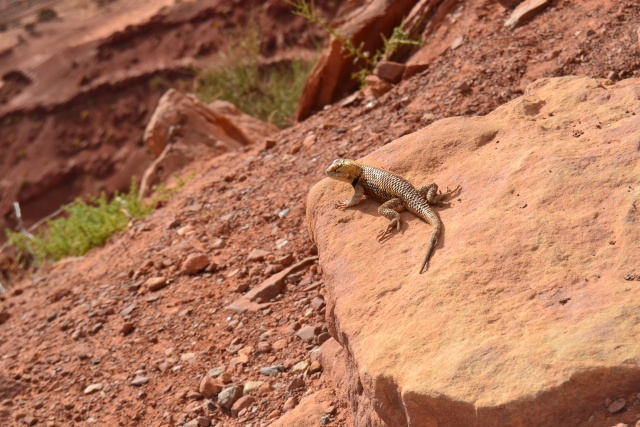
(391, 209)
(355, 199)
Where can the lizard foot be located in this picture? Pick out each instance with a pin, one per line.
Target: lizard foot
(440, 198)
(341, 205)
(448, 192)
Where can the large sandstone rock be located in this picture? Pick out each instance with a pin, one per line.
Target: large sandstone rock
(220, 125)
(183, 129)
(524, 316)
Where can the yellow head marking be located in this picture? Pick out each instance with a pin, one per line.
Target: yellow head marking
(344, 170)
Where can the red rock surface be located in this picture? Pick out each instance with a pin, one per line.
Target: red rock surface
(64, 330)
(522, 303)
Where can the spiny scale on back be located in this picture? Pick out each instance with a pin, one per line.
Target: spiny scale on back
(395, 192)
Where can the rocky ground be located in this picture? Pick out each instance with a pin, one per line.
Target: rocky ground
(138, 332)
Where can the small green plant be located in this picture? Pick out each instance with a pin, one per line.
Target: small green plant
(181, 182)
(365, 59)
(162, 192)
(87, 224)
(269, 93)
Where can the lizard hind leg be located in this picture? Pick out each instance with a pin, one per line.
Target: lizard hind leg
(390, 209)
(429, 192)
(432, 196)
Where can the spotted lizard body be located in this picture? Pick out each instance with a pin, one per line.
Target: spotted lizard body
(395, 193)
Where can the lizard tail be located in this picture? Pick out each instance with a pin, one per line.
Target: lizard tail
(432, 244)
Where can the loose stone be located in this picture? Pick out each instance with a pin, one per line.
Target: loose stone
(229, 396)
(251, 386)
(127, 328)
(217, 371)
(272, 370)
(93, 388)
(617, 405)
(307, 334)
(209, 387)
(243, 403)
(156, 283)
(194, 263)
(139, 380)
(295, 384)
(300, 366)
(290, 404)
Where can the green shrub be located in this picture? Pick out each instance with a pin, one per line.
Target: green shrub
(269, 93)
(87, 224)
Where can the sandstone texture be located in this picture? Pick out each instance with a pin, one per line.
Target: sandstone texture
(526, 314)
(310, 411)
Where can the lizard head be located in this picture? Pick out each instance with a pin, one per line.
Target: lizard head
(344, 170)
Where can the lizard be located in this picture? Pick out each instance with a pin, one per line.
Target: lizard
(395, 193)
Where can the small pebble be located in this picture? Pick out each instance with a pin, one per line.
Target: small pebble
(617, 405)
(93, 388)
(139, 380)
(272, 370)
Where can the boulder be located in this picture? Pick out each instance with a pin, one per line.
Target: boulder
(525, 315)
(220, 126)
(183, 129)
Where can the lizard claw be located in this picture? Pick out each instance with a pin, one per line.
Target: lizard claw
(448, 192)
(341, 205)
(386, 231)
